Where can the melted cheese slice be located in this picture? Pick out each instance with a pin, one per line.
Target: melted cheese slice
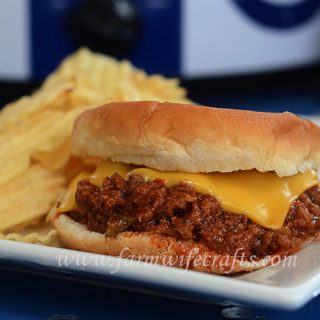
(265, 198)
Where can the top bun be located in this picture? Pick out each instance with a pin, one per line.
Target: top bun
(179, 137)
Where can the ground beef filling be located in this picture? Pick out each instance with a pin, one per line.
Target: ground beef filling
(182, 213)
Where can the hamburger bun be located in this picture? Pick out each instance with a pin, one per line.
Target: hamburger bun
(178, 137)
(152, 248)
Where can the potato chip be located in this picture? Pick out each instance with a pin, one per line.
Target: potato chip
(39, 231)
(29, 196)
(111, 80)
(26, 224)
(13, 113)
(35, 157)
(54, 159)
(41, 132)
(87, 83)
(49, 239)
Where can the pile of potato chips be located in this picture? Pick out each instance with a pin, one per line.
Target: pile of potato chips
(35, 159)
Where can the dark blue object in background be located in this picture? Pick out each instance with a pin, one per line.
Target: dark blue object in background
(280, 16)
(157, 49)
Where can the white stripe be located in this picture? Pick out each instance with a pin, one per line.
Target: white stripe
(218, 38)
(15, 57)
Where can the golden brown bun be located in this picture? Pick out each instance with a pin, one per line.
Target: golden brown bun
(151, 248)
(177, 137)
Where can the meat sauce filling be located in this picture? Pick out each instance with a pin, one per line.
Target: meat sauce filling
(184, 214)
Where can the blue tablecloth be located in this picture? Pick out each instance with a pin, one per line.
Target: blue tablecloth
(25, 296)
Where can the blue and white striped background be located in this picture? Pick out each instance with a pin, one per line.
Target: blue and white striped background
(190, 38)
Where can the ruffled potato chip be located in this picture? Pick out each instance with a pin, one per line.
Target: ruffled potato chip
(111, 80)
(49, 239)
(54, 159)
(29, 196)
(47, 98)
(35, 157)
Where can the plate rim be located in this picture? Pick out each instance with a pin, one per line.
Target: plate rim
(210, 285)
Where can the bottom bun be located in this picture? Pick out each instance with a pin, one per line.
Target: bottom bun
(152, 248)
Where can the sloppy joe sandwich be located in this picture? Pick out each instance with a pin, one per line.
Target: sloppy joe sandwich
(215, 190)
